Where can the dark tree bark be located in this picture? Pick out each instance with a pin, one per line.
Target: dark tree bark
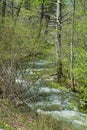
(58, 44)
(3, 8)
(41, 18)
(12, 8)
(71, 46)
(18, 12)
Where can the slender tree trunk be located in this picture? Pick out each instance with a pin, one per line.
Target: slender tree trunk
(3, 8)
(3, 17)
(71, 47)
(41, 17)
(58, 44)
(18, 12)
(47, 18)
(42, 12)
(12, 8)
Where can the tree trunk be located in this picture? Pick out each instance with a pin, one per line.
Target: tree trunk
(3, 16)
(41, 18)
(18, 12)
(3, 8)
(71, 47)
(58, 44)
(12, 8)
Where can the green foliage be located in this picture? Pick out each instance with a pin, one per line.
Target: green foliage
(20, 44)
(1, 125)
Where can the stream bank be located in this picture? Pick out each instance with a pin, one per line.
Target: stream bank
(56, 103)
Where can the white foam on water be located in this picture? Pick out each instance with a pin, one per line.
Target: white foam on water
(44, 104)
(20, 81)
(48, 90)
(75, 117)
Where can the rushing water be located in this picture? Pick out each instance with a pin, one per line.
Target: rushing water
(57, 103)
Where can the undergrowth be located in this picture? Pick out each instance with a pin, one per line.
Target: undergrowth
(22, 118)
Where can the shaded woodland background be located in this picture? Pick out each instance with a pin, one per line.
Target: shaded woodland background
(43, 30)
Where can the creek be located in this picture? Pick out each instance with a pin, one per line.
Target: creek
(58, 103)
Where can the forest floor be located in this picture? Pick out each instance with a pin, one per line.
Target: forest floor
(22, 118)
(14, 118)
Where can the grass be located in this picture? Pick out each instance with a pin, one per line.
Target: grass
(22, 118)
(13, 118)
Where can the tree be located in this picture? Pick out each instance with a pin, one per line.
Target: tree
(3, 8)
(71, 46)
(58, 44)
